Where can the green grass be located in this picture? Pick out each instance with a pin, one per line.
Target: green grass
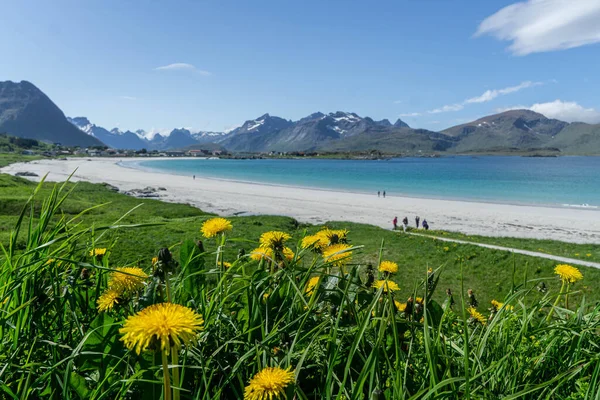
(488, 272)
(342, 340)
(585, 252)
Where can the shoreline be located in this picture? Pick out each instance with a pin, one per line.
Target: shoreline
(349, 191)
(317, 206)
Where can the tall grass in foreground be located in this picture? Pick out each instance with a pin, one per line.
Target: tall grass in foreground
(295, 320)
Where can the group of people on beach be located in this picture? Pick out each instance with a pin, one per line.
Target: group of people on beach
(379, 194)
(424, 224)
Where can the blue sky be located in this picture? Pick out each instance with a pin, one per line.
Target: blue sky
(433, 63)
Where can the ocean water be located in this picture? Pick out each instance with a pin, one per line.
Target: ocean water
(562, 181)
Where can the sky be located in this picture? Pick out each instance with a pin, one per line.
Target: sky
(211, 65)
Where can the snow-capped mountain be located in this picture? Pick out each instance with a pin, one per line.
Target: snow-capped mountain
(155, 139)
(273, 133)
(114, 138)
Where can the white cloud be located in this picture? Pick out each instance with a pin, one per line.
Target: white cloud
(413, 114)
(397, 101)
(446, 108)
(128, 97)
(569, 111)
(182, 67)
(489, 95)
(537, 26)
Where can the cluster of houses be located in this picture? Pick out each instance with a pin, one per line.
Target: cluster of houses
(99, 152)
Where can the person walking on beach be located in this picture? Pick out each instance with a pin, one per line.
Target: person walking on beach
(384, 194)
(425, 225)
(417, 219)
(378, 193)
(405, 224)
(395, 222)
(194, 177)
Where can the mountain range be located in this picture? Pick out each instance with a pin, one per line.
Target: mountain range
(140, 139)
(27, 112)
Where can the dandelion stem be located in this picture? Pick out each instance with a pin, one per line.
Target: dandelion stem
(175, 361)
(166, 379)
(556, 301)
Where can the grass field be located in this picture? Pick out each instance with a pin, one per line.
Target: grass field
(342, 339)
(311, 325)
(489, 272)
(585, 252)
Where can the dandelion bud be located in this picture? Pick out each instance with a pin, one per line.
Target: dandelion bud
(164, 255)
(85, 274)
(472, 299)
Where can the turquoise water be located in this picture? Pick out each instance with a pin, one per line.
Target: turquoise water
(560, 181)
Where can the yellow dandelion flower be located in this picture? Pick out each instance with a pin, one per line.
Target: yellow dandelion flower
(388, 266)
(568, 273)
(576, 254)
(310, 286)
(419, 300)
(476, 315)
(400, 306)
(127, 279)
(266, 253)
(226, 264)
(446, 248)
(215, 226)
(268, 384)
(288, 253)
(387, 285)
(311, 241)
(154, 260)
(429, 270)
(588, 254)
(498, 305)
(265, 296)
(273, 239)
(107, 300)
(97, 252)
(332, 236)
(166, 325)
(337, 254)
(260, 253)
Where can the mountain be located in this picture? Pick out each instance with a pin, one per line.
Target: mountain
(578, 138)
(514, 129)
(25, 111)
(310, 133)
(177, 138)
(114, 138)
(262, 124)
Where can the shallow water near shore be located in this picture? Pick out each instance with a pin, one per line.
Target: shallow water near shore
(562, 181)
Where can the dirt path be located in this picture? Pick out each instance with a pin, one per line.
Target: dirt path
(518, 251)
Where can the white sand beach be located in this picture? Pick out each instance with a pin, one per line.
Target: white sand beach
(318, 206)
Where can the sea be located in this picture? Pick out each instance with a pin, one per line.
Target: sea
(549, 181)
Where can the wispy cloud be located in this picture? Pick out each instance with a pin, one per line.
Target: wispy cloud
(182, 67)
(488, 95)
(569, 111)
(397, 101)
(537, 26)
(128, 98)
(446, 108)
(414, 114)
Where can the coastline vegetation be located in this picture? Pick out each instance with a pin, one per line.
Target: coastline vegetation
(101, 297)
